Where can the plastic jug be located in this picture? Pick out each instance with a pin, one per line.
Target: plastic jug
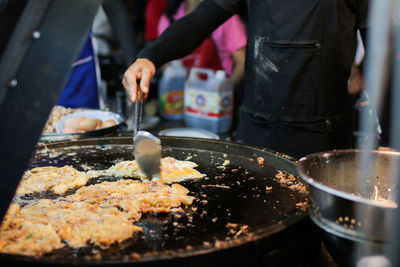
(171, 90)
(208, 100)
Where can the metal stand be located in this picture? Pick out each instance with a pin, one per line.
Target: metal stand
(33, 69)
(383, 62)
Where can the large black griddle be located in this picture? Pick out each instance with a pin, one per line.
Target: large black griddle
(234, 194)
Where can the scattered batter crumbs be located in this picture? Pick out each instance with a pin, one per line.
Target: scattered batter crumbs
(303, 205)
(290, 181)
(237, 230)
(226, 162)
(260, 161)
(206, 244)
(232, 225)
(268, 189)
(243, 229)
(135, 256)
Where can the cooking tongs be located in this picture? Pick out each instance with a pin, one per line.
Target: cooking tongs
(147, 147)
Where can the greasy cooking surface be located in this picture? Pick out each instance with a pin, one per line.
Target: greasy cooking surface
(232, 208)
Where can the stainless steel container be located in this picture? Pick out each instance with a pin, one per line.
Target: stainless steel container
(355, 220)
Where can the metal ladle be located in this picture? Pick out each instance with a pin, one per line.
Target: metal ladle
(147, 147)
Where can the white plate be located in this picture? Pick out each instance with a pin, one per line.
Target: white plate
(189, 132)
(92, 114)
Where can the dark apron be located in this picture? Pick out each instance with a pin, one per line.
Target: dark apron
(299, 55)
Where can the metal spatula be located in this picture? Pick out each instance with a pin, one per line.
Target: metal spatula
(147, 147)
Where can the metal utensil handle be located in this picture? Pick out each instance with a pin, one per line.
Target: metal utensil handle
(138, 109)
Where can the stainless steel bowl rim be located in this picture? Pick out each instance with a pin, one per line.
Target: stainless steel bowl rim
(336, 192)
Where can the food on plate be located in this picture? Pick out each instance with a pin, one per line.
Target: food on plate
(55, 115)
(99, 124)
(71, 123)
(69, 130)
(55, 179)
(108, 123)
(172, 170)
(84, 124)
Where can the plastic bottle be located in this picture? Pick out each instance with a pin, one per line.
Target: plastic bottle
(208, 100)
(170, 91)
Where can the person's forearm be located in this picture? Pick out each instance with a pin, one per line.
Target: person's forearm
(237, 74)
(186, 34)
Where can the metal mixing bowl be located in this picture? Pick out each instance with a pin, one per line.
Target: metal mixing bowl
(346, 209)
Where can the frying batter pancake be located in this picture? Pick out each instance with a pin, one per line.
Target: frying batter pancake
(134, 197)
(39, 228)
(101, 214)
(172, 170)
(26, 237)
(55, 179)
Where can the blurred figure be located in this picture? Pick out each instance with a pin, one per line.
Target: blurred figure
(359, 101)
(356, 81)
(81, 89)
(154, 10)
(229, 40)
(298, 60)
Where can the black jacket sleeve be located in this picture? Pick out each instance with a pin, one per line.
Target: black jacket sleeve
(187, 33)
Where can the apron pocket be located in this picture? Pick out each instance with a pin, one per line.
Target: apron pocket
(305, 136)
(288, 72)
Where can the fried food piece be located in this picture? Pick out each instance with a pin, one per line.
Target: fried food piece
(172, 170)
(55, 179)
(40, 228)
(31, 237)
(100, 214)
(80, 223)
(133, 197)
(56, 114)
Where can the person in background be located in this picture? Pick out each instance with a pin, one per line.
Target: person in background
(153, 12)
(224, 49)
(356, 87)
(87, 87)
(298, 60)
(81, 89)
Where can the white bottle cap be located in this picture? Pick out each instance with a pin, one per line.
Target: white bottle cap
(176, 62)
(221, 74)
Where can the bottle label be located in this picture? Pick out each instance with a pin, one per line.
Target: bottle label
(171, 103)
(211, 105)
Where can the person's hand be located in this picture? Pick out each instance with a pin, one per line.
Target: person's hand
(356, 81)
(386, 148)
(142, 69)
